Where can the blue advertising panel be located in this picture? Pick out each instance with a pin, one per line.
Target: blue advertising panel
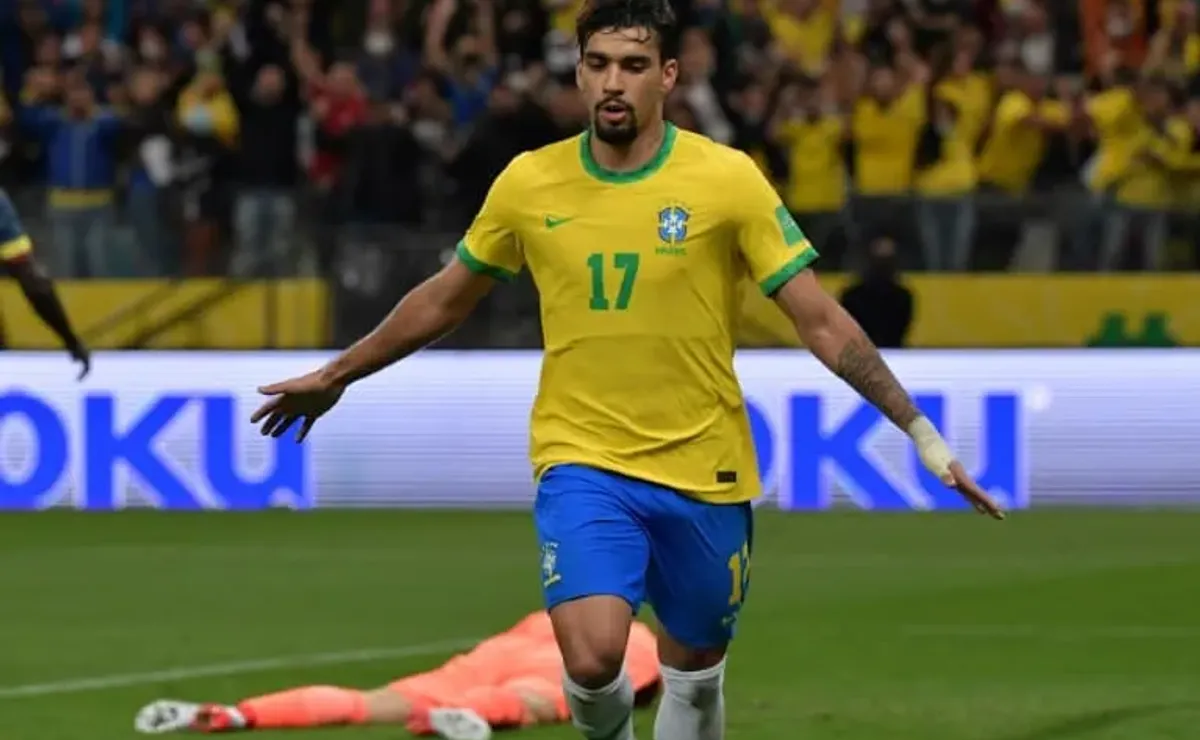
(171, 430)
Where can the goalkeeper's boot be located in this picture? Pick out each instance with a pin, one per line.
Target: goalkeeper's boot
(169, 715)
(459, 724)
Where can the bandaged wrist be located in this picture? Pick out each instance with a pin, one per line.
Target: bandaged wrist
(932, 448)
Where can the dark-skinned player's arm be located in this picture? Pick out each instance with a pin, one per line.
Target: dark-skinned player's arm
(427, 313)
(489, 251)
(836, 339)
(39, 291)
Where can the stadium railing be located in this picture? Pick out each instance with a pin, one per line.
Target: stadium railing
(1024, 238)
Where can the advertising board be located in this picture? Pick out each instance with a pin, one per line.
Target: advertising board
(447, 429)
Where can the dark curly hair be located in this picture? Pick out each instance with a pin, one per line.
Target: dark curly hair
(656, 16)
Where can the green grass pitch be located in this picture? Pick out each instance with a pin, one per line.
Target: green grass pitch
(1054, 625)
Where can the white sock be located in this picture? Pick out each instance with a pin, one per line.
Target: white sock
(236, 718)
(693, 704)
(602, 714)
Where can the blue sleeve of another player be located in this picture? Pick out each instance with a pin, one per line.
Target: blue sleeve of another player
(14, 242)
(41, 120)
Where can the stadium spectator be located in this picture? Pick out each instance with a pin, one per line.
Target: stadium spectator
(1022, 123)
(749, 111)
(148, 129)
(1189, 175)
(336, 106)
(510, 125)
(877, 300)
(386, 65)
(885, 125)
(1031, 38)
(1143, 196)
(813, 136)
(697, 65)
(805, 32)
(1175, 47)
(265, 211)
(209, 125)
(919, 118)
(381, 197)
(944, 182)
(468, 62)
(7, 140)
(80, 140)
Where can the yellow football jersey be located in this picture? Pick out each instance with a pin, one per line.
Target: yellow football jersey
(638, 274)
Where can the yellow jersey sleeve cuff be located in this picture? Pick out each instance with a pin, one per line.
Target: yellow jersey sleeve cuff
(14, 248)
(794, 267)
(479, 267)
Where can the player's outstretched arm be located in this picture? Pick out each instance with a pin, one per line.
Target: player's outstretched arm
(429, 311)
(43, 298)
(837, 340)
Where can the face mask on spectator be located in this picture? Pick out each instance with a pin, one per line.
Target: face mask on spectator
(1119, 24)
(519, 82)
(199, 119)
(151, 50)
(379, 43)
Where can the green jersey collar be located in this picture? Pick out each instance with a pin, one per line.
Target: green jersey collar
(593, 168)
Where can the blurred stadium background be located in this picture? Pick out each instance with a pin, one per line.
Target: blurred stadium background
(1006, 193)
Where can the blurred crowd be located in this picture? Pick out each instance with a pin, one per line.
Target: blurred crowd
(265, 137)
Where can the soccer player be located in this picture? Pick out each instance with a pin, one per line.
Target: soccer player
(637, 235)
(16, 257)
(511, 680)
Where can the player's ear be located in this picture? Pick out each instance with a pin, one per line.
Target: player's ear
(670, 73)
(579, 73)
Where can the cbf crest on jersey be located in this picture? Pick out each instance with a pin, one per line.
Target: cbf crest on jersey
(672, 229)
(672, 224)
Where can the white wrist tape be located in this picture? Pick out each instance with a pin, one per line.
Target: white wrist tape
(932, 449)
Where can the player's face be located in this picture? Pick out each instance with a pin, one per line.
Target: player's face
(624, 82)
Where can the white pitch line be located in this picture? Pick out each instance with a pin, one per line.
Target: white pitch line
(119, 680)
(1046, 632)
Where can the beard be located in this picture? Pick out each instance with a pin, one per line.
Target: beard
(615, 134)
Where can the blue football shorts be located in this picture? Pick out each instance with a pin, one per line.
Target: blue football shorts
(602, 533)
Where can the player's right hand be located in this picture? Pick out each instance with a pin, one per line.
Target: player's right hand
(305, 398)
(82, 355)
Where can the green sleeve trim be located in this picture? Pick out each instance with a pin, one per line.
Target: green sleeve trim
(479, 267)
(779, 278)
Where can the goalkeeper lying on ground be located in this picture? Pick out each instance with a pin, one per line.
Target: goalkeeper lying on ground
(511, 680)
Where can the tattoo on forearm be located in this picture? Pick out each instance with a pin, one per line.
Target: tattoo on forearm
(861, 366)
